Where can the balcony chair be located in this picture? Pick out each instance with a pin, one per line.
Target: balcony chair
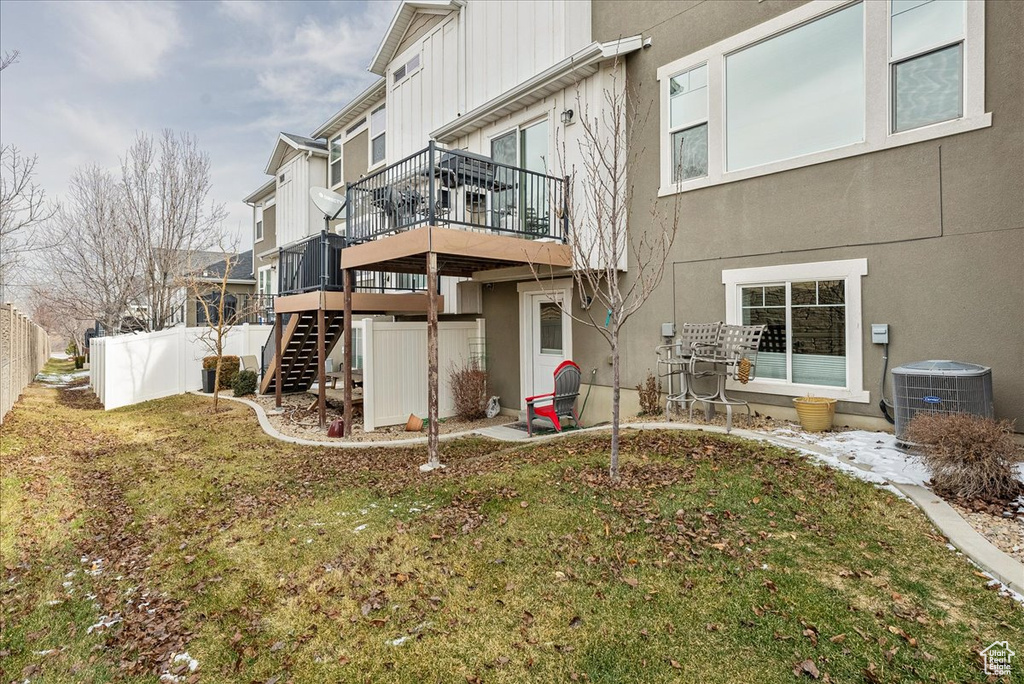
(733, 357)
(674, 361)
(561, 402)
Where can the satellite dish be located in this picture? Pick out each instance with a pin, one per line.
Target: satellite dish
(330, 203)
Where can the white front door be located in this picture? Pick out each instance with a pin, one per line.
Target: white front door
(547, 341)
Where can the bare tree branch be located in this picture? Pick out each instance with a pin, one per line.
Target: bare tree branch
(600, 200)
(23, 208)
(167, 187)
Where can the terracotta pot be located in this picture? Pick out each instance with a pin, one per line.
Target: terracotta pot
(815, 413)
(414, 424)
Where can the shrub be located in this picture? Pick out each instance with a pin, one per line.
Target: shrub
(650, 395)
(244, 383)
(469, 390)
(228, 368)
(970, 457)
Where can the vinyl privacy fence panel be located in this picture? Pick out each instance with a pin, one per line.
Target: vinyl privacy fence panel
(395, 366)
(129, 369)
(24, 348)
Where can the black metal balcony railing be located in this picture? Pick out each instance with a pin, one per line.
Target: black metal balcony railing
(458, 189)
(315, 264)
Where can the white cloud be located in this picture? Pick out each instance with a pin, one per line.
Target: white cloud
(123, 41)
(247, 11)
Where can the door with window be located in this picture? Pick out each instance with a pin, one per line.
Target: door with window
(520, 201)
(548, 325)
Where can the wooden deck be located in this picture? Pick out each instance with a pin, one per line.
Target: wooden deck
(459, 253)
(362, 302)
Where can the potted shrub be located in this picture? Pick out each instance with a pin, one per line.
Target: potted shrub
(815, 413)
(229, 366)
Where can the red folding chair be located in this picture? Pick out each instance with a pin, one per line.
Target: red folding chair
(561, 402)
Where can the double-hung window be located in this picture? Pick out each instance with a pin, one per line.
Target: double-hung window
(812, 342)
(378, 134)
(926, 52)
(826, 80)
(335, 161)
(688, 123)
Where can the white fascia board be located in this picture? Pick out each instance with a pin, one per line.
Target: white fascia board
(275, 158)
(582, 63)
(351, 110)
(261, 192)
(400, 24)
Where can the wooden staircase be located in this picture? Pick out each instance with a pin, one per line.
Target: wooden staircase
(299, 360)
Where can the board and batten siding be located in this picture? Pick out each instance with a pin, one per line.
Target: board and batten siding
(509, 42)
(428, 98)
(296, 215)
(564, 153)
(496, 47)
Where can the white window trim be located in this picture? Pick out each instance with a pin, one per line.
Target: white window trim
(850, 270)
(560, 286)
(373, 166)
(258, 228)
(408, 57)
(878, 135)
(340, 139)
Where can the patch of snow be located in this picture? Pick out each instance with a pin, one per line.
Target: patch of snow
(189, 661)
(399, 641)
(361, 528)
(44, 653)
(875, 450)
(104, 622)
(54, 602)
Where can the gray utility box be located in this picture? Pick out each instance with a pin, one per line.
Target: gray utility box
(940, 387)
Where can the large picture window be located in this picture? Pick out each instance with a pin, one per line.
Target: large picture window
(826, 80)
(799, 92)
(812, 342)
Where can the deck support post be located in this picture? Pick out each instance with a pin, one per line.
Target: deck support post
(278, 337)
(321, 352)
(434, 457)
(346, 275)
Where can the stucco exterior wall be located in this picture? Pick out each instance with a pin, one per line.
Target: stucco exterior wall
(356, 157)
(941, 223)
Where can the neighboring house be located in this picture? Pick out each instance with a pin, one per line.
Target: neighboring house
(239, 294)
(840, 164)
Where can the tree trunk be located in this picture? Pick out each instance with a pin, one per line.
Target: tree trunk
(613, 470)
(347, 358)
(434, 459)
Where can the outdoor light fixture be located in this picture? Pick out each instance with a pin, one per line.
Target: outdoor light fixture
(567, 116)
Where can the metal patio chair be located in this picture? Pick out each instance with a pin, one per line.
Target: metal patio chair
(561, 402)
(733, 357)
(674, 361)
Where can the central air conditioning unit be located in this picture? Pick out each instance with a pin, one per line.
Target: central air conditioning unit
(940, 387)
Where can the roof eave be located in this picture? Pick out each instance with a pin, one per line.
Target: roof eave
(349, 111)
(261, 191)
(275, 157)
(581, 64)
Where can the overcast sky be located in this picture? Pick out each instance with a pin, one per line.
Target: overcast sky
(233, 73)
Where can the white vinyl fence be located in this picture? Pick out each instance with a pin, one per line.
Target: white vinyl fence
(129, 369)
(395, 366)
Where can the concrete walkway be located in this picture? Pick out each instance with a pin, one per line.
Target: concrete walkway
(960, 533)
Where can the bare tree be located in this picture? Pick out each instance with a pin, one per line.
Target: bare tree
(209, 291)
(23, 208)
(9, 58)
(169, 215)
(91, 271)
(601, 197)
